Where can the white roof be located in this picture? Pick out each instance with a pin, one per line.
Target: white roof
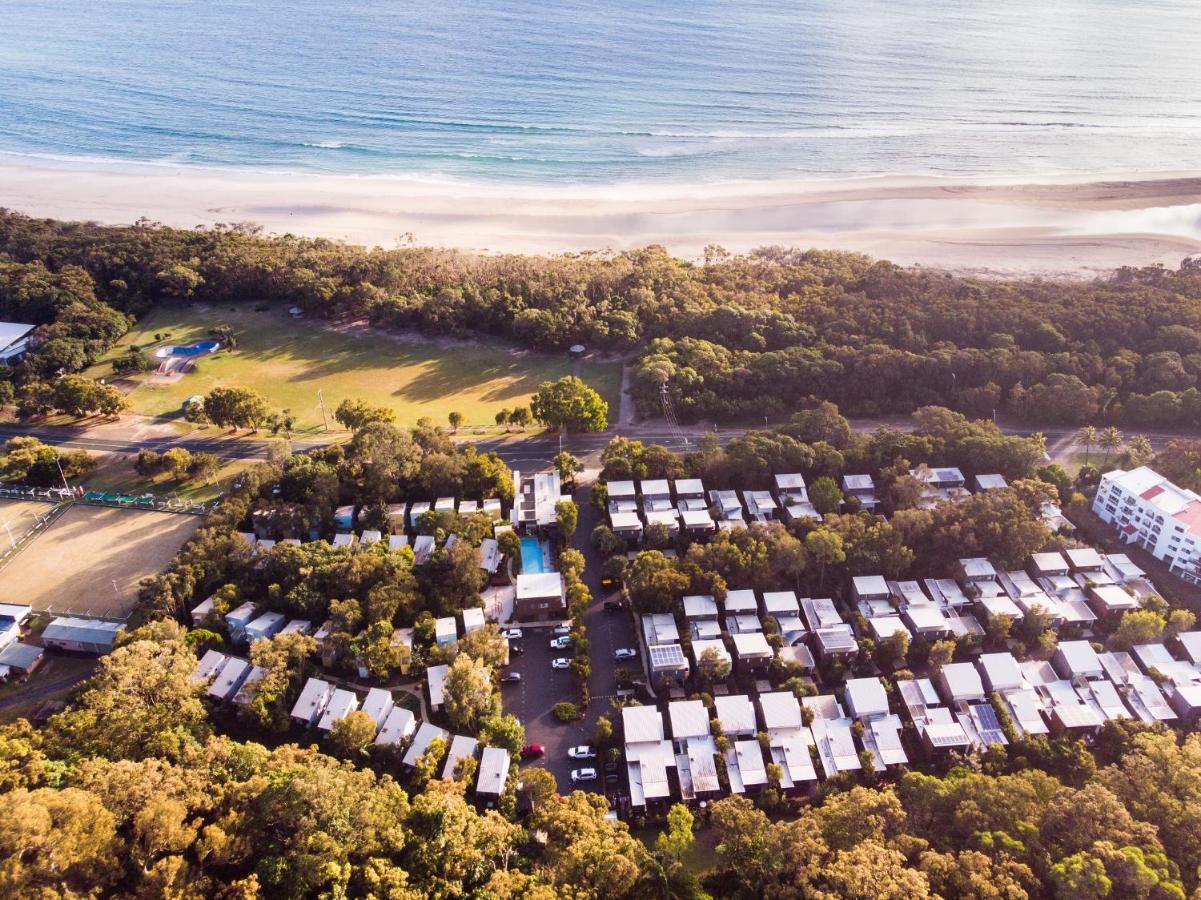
(885, 627)
(660, 628)
(866, 697)
(1079, 657)
(493, 772)
(267, 623)
(378, 705)
(926, 617)
(871, 585)
(1190, 643)
(962, 681)
(689, 487)
(621, 489)
(247, 691)
(1049, 562)
(736, 713)
(1112, 597)
(625, 521)
(857, 483)
(312, 700)
(340, 705)
(991, 482)
(82, 631)
(426, 735)
(700, 606)
(462, 746)
(436, 677)
(820, 612)
(741, 601)
(446, 627)
(977, 567)
(751, 645)
(371, 535)
(539, 586)
(473, 618)
(689, 718)
(775, 602)
(751, 768)
(399, 725)
(655, 487)
(1084, 558)
(700, 646)
(11, 332)
(781, 710)
(396, 541)
(790, 482)
(229, 679)
(641, 724)
(209, 665)
(697, 518)
(1000, 670)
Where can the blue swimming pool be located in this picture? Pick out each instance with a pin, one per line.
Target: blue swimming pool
(533, 557)
(198, 349)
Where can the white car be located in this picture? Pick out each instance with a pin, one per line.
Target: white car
(625, 653)
(560, 643)
(583, 774)
(561, 663)
(582, 752)
(513, 634)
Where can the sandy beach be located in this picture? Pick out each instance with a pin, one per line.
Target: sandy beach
(1049, 227)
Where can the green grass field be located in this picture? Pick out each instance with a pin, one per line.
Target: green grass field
(116, 475)
(288, 361)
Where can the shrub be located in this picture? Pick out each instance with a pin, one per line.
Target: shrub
(567, 712)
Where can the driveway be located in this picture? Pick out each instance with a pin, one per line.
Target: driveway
(542, 687)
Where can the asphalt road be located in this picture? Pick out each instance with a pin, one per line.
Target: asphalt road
(542, 687)
(534, 451)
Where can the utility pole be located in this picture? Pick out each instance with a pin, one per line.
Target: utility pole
(59, 462)
(324, 417)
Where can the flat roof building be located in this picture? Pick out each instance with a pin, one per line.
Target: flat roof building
(81, 635)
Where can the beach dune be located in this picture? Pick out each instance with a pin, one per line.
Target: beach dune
(1045, 227)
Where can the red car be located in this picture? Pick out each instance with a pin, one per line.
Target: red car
(533, 751)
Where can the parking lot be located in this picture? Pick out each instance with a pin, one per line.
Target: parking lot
(542, 687)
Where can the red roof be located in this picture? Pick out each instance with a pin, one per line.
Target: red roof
(1152, 492)
(1190, 516)
(1130, 529)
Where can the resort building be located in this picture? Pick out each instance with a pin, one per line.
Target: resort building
(863, 489)
(1152, 512)
(493, 775)
(648, 755)
(540, 597)
(14, 341)
(81, 635)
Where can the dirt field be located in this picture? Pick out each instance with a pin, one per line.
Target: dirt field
(74, 564)
(20, 516)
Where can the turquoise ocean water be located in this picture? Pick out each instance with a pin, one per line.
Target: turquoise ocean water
(609, 91)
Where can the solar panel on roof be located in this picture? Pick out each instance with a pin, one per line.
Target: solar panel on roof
(990, 725)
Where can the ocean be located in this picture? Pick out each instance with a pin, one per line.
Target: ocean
(605, 92)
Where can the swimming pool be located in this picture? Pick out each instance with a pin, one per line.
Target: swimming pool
(533, 557)
(198, 349)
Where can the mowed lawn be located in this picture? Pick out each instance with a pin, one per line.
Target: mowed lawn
(288, 361)
(89, 562)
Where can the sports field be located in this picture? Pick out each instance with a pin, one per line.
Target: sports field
(91, 559)
(19, 516)
(288, 361)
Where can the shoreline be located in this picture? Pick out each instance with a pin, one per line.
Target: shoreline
(1046, 226)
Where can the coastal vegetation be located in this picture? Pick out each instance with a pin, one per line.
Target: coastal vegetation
(737, 337)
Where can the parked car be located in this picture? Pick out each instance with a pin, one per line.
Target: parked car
(516, 649)
(610, 766)
(612, 606)
(581, 752)
(510, 678)
(513, 634)
(560, 643)
(612, 779)
(583, 774)
(625, 653)
(562, 629)
(532, 751)
(561, 662)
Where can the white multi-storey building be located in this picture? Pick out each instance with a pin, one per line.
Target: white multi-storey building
(1148, 510)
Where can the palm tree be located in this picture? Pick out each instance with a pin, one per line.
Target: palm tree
(1138, 451)
(1110, 440)
(1086, 436)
